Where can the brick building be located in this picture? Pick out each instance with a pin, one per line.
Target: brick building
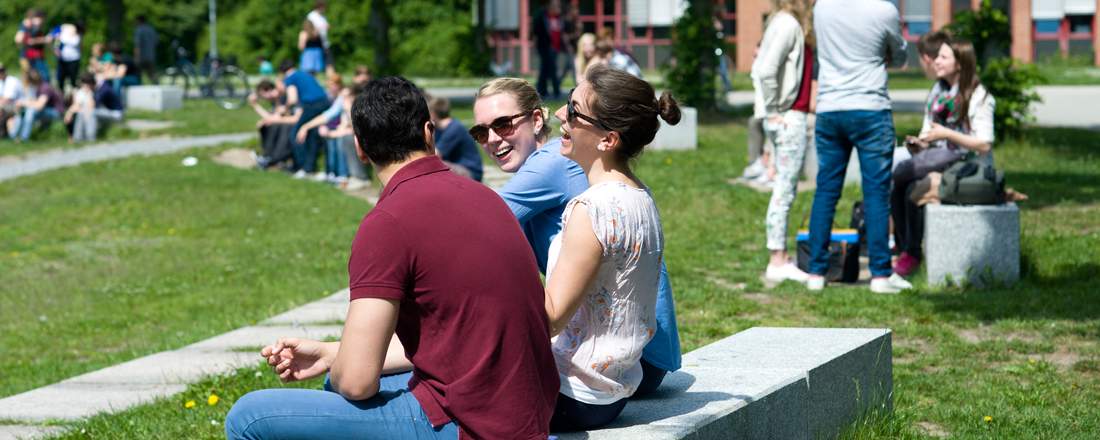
(1040, 28)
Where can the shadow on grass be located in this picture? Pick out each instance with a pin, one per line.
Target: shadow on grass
(1046, 189)
(1070, 295)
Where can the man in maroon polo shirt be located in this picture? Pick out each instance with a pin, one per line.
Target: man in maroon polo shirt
(441, 260)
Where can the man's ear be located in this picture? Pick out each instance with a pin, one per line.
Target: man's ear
(362, 155)
(429, 136)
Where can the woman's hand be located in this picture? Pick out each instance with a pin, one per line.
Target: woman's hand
(301, 136)
(299, 359)
(915, 145)
(936, 133)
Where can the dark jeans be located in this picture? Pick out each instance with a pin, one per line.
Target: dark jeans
(872, 135)
(652, 377)
(548, 74)
(305, 155)
(571, 415)
(908, 219)
(276, 141)
(67, 71)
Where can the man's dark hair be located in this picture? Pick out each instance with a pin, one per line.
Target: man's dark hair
(265, 85)
(141, 19)
(388, 118)
(929, 44)
(285, 66)
(88, 79)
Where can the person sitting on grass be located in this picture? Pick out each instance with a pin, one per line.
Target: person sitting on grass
(958, 123)
(41, 104)
(477, 342)
(452, 143)
(336, 164)
(304, 91)
(513, 129)
(276, 125)
(80, 117)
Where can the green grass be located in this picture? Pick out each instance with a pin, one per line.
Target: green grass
(1028, 356)
(106, 262)
(197, 117)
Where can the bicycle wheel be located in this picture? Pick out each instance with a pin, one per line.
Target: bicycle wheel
(178, 78)
(230, 86)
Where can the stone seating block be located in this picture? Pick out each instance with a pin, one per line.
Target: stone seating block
(682, 136)
(764, 383)
(155, 98)
(978, 244)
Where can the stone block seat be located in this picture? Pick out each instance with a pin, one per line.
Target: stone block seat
(764, 383)
(156, 98)
(682, 136)
(976, 244)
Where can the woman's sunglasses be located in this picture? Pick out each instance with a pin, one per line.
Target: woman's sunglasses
(572, 114)
(503, 126)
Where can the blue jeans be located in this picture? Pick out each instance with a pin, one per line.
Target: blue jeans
(24, 123)
(314, 414)
(335, 162)
(305, 155)
(872, 134)
(42, 67)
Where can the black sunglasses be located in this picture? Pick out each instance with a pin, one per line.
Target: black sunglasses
(571, 114)
(503, 126)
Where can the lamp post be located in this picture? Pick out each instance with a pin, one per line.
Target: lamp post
(213, 28)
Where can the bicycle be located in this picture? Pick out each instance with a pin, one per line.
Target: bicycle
(220, 80)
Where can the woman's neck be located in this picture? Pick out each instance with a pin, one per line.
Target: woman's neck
(952, 80)
(607, 170)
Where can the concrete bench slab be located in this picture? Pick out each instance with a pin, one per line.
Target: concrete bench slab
(155, 98)
(782, 383)
(25, 432)
(74, 401)
(972, 244)
(256, 336)
(682, 136)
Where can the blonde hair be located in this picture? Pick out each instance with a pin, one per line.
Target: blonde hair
(580, 61)
(527, 98)
(802, 11)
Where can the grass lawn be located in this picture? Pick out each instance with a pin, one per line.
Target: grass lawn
(1027, 356)
(106, 262)
(197, 117)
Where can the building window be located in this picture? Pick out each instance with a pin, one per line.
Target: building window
(919, 28)
(1080, 24)
(1047, 26)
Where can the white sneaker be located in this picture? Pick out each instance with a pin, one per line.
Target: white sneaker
(300, 174)
(319, 176)
(755, 169)
(778, 274)
(762, 181)
(815, 283)
(355, 184)
(894, 284)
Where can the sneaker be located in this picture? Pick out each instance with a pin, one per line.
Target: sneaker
(355, 184)
(754, 170)
(789, 271)
(762, 181)
(906, 264)
(319, 176)
(815, 283)
(894, 284)
(300, 174)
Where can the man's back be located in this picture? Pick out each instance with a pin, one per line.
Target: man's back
(856, 39)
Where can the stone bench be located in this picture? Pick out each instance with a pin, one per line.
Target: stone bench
(682, 136)
(775, 383)
(155, 98)
(977, 244)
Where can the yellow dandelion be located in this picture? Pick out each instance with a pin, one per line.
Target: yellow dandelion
(189, 404)
(212, 400)
(171, 231)
(987, 419)
(1031, 360)
(668, 161)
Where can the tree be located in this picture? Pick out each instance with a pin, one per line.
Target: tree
(694, 40)
(380, 31)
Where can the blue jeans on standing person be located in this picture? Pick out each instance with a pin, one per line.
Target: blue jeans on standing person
(548, 75)
(24, 123)
(872, 135)
(42, 67)
(393, 413)
(335, 162)
(305, 154)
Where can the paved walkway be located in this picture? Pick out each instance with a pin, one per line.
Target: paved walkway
(32, 163)
(1061, 106)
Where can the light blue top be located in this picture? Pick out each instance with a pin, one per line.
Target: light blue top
(537, 195)
(335, 110)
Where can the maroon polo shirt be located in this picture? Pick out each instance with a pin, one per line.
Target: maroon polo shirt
(472, 318)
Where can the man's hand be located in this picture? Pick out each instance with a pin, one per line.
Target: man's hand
(298, 359)
(301, 136)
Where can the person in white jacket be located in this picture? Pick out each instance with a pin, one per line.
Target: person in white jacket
(781, 75)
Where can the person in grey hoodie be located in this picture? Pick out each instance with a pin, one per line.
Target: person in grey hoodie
(856, 41)
(781, 75)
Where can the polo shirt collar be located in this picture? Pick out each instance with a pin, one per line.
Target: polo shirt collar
(420, 167)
